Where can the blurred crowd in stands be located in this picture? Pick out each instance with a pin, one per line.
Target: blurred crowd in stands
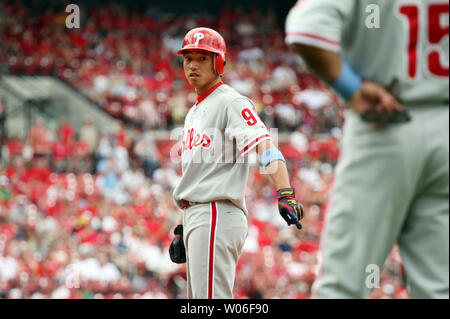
(127, 63)
(90, 214)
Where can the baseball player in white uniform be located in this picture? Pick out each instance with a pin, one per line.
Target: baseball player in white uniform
(220, 130)
(390, 61)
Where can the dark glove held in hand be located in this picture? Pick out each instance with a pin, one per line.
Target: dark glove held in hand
(176, 250)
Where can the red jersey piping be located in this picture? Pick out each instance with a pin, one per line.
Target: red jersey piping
(205, 95)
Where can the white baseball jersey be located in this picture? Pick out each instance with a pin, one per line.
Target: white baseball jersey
(219, 131)
(409, 37)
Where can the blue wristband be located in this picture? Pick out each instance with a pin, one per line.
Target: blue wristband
(347, 83)
(271, 155)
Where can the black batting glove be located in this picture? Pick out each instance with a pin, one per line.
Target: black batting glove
(373, 116)
(290, 209)
(177, 251)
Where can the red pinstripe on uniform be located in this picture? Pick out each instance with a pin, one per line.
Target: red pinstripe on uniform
(212, 240)
(205, 95)
(314, 36)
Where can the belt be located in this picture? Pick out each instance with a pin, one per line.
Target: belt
(186, 204)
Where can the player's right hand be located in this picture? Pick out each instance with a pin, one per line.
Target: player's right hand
(177, 251)
(290, 209)
(375, 104)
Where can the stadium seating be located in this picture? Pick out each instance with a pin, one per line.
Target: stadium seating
(88, 214)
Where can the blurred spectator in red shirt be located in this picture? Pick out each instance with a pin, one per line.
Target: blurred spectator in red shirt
(40, 171)
(13, 147)
(122, 137)
(65, 131)
(60, 152)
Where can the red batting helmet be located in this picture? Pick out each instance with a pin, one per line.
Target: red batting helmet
(208, 40)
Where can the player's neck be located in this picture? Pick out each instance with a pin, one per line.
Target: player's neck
(203, 90)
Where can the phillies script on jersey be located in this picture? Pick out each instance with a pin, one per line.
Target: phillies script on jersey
(195, 139)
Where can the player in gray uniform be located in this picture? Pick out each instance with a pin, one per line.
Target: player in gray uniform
(392, 180)
(219, 131)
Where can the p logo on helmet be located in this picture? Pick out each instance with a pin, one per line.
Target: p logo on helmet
(211, 41)
(198, 36)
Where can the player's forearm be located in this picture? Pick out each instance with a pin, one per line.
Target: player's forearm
(280, 176)
(329, 67)
(276, 169)
(325, 64)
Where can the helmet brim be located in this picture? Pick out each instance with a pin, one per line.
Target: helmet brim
(197, 47)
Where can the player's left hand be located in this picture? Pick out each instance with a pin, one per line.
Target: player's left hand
(177, 251)
(290, 209)
(376, 105)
